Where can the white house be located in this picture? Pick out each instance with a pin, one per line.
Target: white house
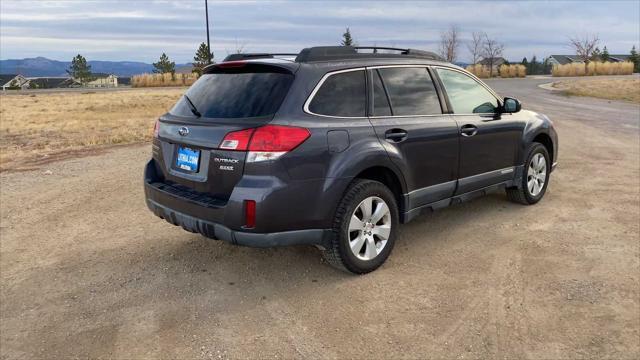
(14, 82)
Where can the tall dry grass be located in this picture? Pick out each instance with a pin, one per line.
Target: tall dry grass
(478, 70)
(167, 79)
(594, 68)
(505, 71)
(513, 71)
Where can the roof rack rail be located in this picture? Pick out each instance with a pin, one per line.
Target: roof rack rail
(326, 53)
(236, 57)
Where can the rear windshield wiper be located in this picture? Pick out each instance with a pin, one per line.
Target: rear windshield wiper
(193, 108)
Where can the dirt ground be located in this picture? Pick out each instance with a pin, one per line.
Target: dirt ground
(87, 271)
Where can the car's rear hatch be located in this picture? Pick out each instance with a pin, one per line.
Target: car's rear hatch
(228, 97)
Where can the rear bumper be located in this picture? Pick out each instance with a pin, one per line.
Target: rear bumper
(223, 219)
(320, 237)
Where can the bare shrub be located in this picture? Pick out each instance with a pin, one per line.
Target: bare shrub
(479, 70)
(475, 46)
(512, 71)
(449, 42)
(491, 50)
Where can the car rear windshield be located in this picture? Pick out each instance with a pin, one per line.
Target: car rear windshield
(244, 92)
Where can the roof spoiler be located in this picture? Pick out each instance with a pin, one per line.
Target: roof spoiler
(236, 57)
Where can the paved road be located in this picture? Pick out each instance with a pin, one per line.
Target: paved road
(87, 271)
(606, 114)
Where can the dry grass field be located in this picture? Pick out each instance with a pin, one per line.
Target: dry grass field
(36, 128)
(612, 89)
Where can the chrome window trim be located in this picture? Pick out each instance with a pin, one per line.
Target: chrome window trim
(398, 66)
(317, 87)
(478, 81)
(464, 72)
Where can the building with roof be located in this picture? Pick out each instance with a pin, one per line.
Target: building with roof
(568, 59)
(494, 62)
(14, 82)
(103, 80)
(49, 82)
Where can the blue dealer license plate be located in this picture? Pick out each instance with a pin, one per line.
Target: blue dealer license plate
(188, 159)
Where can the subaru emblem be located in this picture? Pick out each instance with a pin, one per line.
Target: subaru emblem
(183, 131)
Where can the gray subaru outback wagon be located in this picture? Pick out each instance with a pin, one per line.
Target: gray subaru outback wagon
(336, 147)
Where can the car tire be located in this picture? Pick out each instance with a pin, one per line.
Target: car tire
(358, 245)
(535, 176)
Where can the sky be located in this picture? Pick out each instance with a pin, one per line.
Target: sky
(140, 30)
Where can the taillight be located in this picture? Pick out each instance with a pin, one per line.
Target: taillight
(278, 138)
(265, 143)
(156, 129)
(249, 213)
(237, 140)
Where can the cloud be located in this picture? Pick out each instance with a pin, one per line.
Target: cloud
(142, 30)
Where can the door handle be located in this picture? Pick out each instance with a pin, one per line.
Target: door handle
(395, 135)
(468, 130)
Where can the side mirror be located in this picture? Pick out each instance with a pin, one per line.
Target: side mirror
(511, 105)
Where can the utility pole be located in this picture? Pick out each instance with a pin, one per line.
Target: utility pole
(206, 10)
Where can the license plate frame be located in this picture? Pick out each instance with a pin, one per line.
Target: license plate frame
(188, 159)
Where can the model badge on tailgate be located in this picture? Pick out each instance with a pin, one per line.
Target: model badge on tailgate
(226, 161)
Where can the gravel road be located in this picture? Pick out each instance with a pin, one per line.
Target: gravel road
(88, 271)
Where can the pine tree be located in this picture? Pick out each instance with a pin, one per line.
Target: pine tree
(595, 56)
(347, 40)
(635, 59)
(546, 67)
(80, 70)
(164, 65)
(525, 62)
(533, 66)
(203, 58)
(605, 55)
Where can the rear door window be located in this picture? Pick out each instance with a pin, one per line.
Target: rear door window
(411, 91)
(341, 95)
(247, 92)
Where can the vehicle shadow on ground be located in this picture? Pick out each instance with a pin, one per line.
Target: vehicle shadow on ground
(302, 264)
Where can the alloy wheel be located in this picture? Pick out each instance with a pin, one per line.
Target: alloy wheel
(536, 174)
(369, 228)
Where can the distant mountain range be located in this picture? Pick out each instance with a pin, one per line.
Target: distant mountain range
(41, 66)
